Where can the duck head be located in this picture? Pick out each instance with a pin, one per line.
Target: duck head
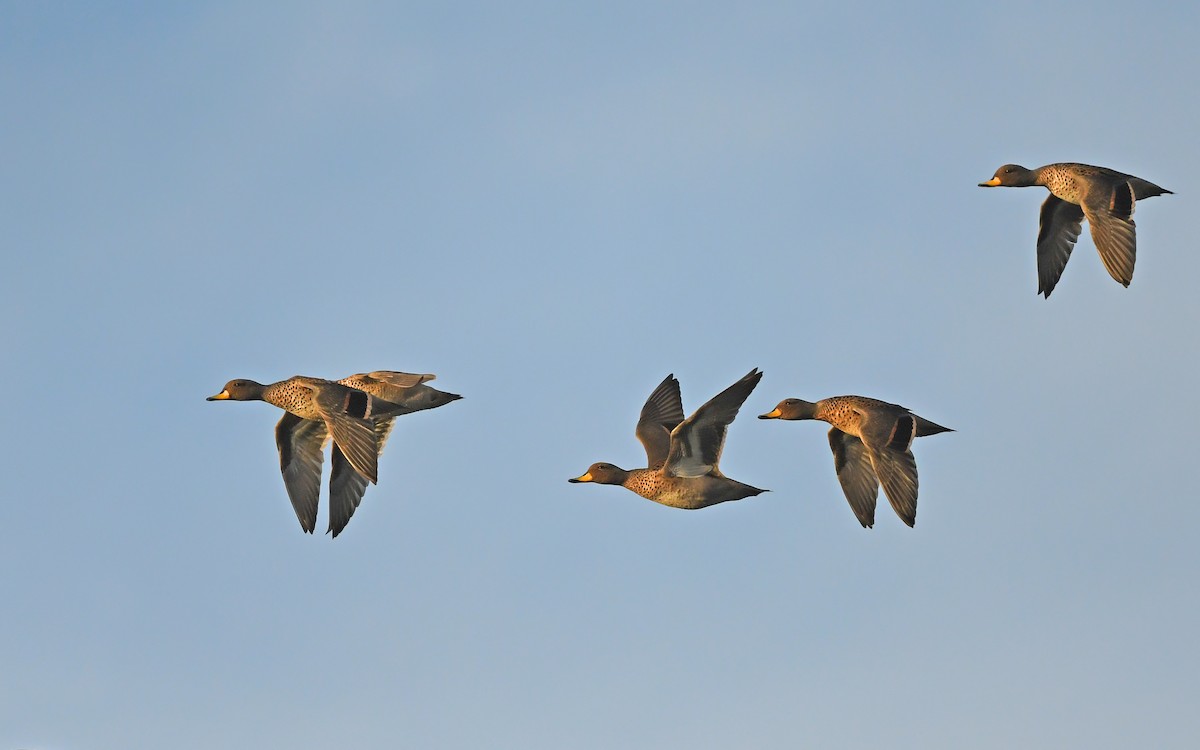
(791, 408)
(1011, 175)
(239, 390)
(602, 473)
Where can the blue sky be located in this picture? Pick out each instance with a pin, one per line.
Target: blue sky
(552, 208)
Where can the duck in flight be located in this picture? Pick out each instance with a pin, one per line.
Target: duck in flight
(1105, 197)
(357, 412)
(682, 455)
(872, 445)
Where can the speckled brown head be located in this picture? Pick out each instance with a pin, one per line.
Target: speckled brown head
(791, 408)
(602, 473)
(239, 390)
(1011, 175)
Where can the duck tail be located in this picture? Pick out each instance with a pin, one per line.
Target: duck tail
(925, 427)
(1144, 189)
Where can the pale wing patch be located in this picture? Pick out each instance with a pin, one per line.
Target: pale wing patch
(697, 442)
(687, 451)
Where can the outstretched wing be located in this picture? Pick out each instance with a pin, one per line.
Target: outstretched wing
(888, 435)
(1110, 216)
(897, 472)
(300, 443)
(345, 413)
(855, 474)
(1061, 223)
(662, 413)
(346, 485)
(404, 392)
(697, 442)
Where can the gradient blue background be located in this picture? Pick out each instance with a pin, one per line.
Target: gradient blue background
(552, 208)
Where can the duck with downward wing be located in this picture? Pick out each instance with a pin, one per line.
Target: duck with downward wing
(357, 411)
(871, 442)
(1105, 197)
(403, 393)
